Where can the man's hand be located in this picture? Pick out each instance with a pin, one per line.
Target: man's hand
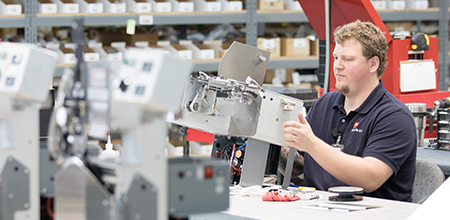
(299, 135)
(368, 173)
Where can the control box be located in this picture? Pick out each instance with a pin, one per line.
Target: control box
(26, 70)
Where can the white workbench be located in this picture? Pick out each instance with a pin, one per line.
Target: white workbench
(252, 207)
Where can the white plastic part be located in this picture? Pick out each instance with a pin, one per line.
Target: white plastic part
(109, 153)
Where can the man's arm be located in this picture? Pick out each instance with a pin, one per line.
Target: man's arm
(368, 172)
(297, 169)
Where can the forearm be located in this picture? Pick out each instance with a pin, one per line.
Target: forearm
(298, 162)
(351, 170)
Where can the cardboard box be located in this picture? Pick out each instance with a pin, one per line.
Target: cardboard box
(398, 26)
(90, 6)
(156, 47)
(177, 50)
(379, 4)
(67, 56)
(90, 55)
(199, 51)
(161, 5)
(282, 76)
(207, 5)
(182, 52)
(139, 6)
(417, 4)
(67, 6)
(47, 7)
(108, 37)
(142, 44)
(216, 45)
(182, 5)
(112, 53)
(121, 46)
(10, 7)
(7, 33)
(295, 47)
(270, 44)
(231, 5)
(225, 47)
(314, 47)
(271, 5)
(114, 6)
(396, 4)
(107, 53)
(292, 5)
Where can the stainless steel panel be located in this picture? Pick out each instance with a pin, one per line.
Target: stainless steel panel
(242, 60)
(78, 193)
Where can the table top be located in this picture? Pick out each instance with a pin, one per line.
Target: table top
(252, 207)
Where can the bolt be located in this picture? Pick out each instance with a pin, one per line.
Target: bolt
(263, 59)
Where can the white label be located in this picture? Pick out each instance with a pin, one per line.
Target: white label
(300, 42)
(206, 54)
(163, 7)
(146, 20)
(281, 74)
(268, 43)
(213, 6)
(186, 6)
(185, 54)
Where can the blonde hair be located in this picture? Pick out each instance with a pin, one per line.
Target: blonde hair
(372, 39)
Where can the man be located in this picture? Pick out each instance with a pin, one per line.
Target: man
(360, 135)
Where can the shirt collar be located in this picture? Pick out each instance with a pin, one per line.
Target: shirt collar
(371, 100)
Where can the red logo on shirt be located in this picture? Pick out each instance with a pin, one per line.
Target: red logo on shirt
(356, 124)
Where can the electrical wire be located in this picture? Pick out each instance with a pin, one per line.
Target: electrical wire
(49, 207)
(242, 146)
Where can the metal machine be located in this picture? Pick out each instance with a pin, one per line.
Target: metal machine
(25, 76)
(143, 89)
(234, 104)
(148, 85)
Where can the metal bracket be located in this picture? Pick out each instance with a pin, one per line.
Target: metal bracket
(140, 202)
(14, 189)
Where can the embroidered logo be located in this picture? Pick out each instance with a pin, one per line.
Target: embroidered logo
(355, 128)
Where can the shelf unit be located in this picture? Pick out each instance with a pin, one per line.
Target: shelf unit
(251, 17)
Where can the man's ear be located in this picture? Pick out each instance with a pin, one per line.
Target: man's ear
(374, 63)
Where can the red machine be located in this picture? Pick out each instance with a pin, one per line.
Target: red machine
(345, 11)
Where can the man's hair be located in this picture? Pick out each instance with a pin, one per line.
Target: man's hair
(372, 39)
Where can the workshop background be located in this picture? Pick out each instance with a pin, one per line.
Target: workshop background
(201, 31)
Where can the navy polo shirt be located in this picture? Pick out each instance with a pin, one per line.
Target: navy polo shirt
(382, 127)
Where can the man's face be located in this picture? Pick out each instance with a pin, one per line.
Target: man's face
(350, 67)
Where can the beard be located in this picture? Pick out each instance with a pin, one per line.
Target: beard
(344, 89)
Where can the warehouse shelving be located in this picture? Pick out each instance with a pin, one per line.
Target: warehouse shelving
(251, 17)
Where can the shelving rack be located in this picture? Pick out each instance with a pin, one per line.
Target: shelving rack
(251, 17)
